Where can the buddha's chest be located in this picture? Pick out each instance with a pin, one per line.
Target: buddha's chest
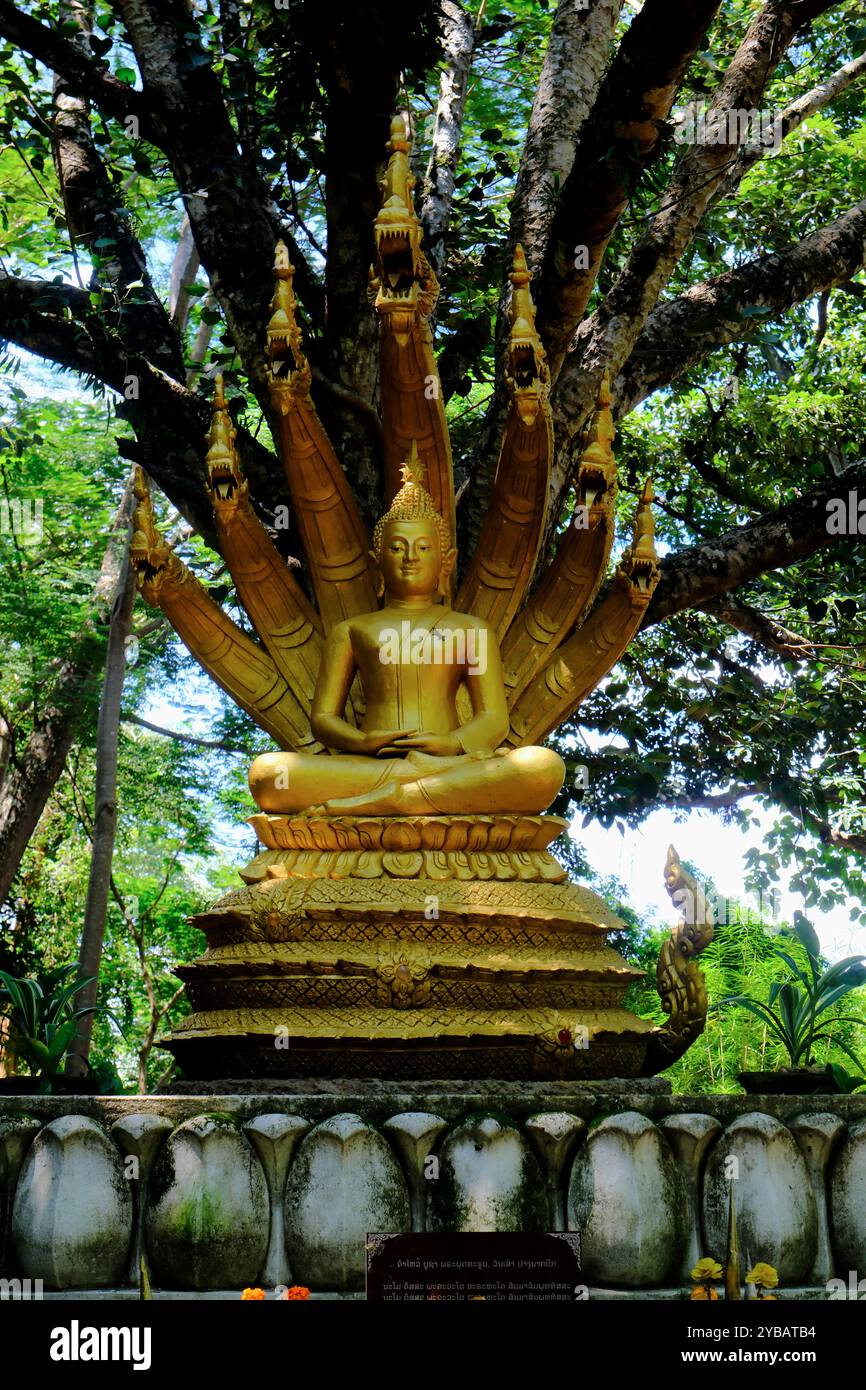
(409, 660)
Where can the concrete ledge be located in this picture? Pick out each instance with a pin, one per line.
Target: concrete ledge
(224, 1191)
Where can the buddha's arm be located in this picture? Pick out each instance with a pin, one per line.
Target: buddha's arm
(336, 674)
(488, 727)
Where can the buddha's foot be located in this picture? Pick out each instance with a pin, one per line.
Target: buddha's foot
(388, 800)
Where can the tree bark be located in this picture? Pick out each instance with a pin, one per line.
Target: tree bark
(617, 144)
(577, 54)
(437, 194)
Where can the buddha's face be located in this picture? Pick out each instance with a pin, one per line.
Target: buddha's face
(411, 558)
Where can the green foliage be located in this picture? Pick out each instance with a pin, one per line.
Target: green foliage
(43, 1019)
(803, 997)
(166, 864)
(743, 959)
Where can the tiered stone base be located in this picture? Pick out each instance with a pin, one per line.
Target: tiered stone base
(409, 948)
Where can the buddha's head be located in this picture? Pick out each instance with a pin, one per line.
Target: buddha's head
(411, 543)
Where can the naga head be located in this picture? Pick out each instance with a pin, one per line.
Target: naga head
(288, 368)
(640, 562)
(527, 376)
(226, 484)
(596, 471)
(149, 554)
(402, 282)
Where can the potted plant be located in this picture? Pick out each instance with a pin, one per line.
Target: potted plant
(43, 1022)
(793, 1013)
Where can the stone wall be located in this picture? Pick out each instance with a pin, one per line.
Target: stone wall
(237, 1189)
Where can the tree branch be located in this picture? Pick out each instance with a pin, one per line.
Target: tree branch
(577, 51)
(227, 201)
(732, 611)
(710, 801)
(87, 77)
(693, 577)
(459, 32)
(184, 268)
(95, 221)
(605, 340)
(788, 120)
(171, 422)
(620, 140)
(181, 737)
(728, 308)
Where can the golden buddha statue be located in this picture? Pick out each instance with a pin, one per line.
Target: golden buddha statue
(411, 754)
(403, 916)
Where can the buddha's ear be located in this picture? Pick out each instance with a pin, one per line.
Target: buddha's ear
(378, 578)
(449, 560)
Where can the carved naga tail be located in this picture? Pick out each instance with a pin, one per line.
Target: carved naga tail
(679, 979)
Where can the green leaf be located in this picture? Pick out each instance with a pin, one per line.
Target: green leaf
(807, 936)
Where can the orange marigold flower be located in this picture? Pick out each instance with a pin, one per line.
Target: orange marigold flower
(297, 1291)
(704, 1292)
(252, 1295)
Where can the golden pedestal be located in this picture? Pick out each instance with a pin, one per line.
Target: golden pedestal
(423, 947)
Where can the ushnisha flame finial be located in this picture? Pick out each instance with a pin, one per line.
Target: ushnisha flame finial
(412, 471)
(412, 503)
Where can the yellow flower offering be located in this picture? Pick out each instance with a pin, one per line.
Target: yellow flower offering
(763, 1276)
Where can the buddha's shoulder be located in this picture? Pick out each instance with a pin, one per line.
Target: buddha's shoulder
(468, 622)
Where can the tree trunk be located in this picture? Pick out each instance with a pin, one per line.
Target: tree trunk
(8, 1059)
(104, 813)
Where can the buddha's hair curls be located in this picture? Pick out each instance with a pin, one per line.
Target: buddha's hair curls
(412, 503)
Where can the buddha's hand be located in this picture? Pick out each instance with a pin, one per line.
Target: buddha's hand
(378, 741)
(437, 745)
